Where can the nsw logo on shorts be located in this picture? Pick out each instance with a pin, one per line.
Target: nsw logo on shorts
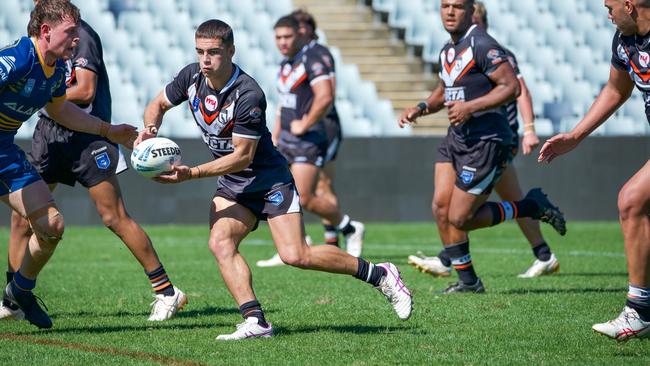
(276, 198)
(103, 161)
(467, 176)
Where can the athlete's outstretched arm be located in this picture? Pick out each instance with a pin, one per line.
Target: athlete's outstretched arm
(238, 160)
(153, 115)
(71, 116)
(434, 103)
(506, 89)
(617, 90)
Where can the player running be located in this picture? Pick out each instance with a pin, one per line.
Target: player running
(324, 189)
(476, 82)
(61, 155)
(254, 180)
(630, 49)
(508, 186)
(32, 76)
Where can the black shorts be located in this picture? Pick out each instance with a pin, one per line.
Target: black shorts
(478, 164)
(514, 144)
(280, 200)
(334, 138)
(64, 156)
(303, 151)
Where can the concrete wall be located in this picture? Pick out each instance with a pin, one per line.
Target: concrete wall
(386, 179)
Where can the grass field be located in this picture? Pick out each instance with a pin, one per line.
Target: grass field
(98, 297)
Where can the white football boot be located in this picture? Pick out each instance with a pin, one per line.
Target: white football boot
(627, 325)
(395, 290)
(248, 329)
(276, 260)
(11, 312)
(165, 307)
(430, 265)
(541, 268)
(354, 241)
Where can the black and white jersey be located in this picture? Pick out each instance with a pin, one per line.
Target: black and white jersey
(89, 55)
(465, 69)
(511, 108)
(331, 119)
(295, 79)
(632, 54)
(236, 110)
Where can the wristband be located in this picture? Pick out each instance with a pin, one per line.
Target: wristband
(526, 133)
(198, 170)
(152, 129)
(422, 106)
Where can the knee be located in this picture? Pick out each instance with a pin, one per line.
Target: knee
(296, 259)
(630, 203)
(440, 211)
(306, 200)
(459, 219)
(49, 229)
(20, 225)
(221, 248)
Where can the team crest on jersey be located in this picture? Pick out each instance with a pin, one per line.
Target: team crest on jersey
(103, 161)
(644, 59)
(276, 198)
(195, 104)
(451, 55)
(210, 103)
(255, 113)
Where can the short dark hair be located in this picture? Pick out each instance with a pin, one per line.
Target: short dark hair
(287, 21)
(643, 3)
(51, 11)
(213, 29)
(302, 16)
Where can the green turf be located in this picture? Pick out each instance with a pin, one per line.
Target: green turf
(99, 300)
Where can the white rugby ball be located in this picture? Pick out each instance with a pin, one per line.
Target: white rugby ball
(155, 156)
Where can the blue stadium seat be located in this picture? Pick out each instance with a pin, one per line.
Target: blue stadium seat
(557, 111)
(562, 39)
(16, 22)
(6, 38)
(118, 40)
(624, 126)
(420, 30)
(600, 40)
(385, 6)
(88, 7)
(174, 61)
(181, 123)
(544, 23)
(403, 14)
(566, 9)
(156, 42)
(580, 95)
(119, 6)
(278, 8)
(431, 51)
(525, 8)
(347, 80)
(583, 23)
(582, 57)
(526, 40)
(543, 127)
(506, 23)
(103, 23)
(136, 23)
(635, 108)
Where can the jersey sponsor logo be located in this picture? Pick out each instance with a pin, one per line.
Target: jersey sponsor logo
(81, 62)
(18, 108)
(210, 102)
(288, 100)
(220, 144)
(644, 58)
(103, 161)
(453, 72)
(495, 55)
(317, 68)
(276, 198)
(195, 104)
(97, 151)
(8, 63)
(455, 94)
(29, 86)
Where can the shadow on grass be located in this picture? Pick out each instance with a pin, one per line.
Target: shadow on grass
(541, 291)
(103, 329)
(354, 329)
(591, 274)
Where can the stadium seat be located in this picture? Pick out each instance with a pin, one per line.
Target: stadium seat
(181, 123)
(156, 42)
(543, 127)
(598, 74)
(525, 8)
(384, 6)
(277, 8)
(137, 23)
(103, 23)
(600, 41)
(582, 57)
(6, 38)
(420, 30)
(634, 108)
(565, 9)
(507, 23)
(557, 111)
(526, 40)
(582, 24)
(624, 126)
(580, 95)
(403, 14)
(16, 22)
(89, 7)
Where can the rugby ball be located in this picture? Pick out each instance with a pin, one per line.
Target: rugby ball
(155, 156)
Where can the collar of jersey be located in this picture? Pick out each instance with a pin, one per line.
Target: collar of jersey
(47, 70)
(465, 35)
(299, 54)
(235, 75)
(312, 43)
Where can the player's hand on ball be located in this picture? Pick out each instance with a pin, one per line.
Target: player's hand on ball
(529, 143)
(178, 174)
(458, 112)
(122, 134)
(145, 134)
(409, 116)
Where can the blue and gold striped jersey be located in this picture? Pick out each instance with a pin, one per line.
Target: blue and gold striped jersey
(27, 84)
